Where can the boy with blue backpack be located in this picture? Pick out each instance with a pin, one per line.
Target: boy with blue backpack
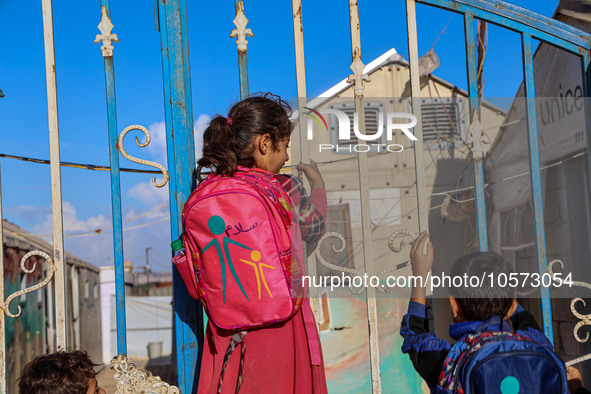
(489, 356)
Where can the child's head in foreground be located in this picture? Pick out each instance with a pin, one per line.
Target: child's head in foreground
(60, 373)
(486, 300)
(255, 133)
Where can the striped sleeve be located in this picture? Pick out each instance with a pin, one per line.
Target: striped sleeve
(311, 210)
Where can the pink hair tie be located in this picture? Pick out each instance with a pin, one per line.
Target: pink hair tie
(229, 120)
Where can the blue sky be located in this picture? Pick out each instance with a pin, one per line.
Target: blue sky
(26, 190)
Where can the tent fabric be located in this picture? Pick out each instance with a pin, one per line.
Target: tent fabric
(560, 120)
(578, 9)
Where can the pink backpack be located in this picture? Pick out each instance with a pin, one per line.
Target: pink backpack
(245, 256)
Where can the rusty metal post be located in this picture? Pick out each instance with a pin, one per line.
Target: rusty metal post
(56, 181)
(304, 152)
(107, 38)
(241, 32)
(372, 311)
(536, 177)
(413, 55)
(188, 314)
(2, 316)
(471, 65)
(586, 72)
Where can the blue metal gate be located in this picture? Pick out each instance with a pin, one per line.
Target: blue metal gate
(171, 21)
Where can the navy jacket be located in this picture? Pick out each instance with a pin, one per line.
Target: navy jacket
(427, 352)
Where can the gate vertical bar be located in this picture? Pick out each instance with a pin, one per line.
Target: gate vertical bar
(372, 311)
(586, 67)
(56, 181)
(115, 191)
(241, 32)
(188, 91)
(471, 66)
(181, 159)
(2, 315)
(536, 178)
(415, 87)
(298, 37)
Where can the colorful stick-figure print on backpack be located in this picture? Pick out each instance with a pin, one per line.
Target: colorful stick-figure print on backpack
(238, 231)
(217, 226)
(258, 266)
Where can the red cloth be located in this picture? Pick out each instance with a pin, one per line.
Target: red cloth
(277, 360)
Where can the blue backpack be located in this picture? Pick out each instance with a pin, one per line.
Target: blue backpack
(501, 362)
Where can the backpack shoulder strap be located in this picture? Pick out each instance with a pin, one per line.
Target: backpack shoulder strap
(269, 187)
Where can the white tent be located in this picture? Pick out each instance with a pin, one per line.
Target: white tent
(560, 120)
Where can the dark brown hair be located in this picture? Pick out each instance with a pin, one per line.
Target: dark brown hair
(488, 298)
(228, 141)
(58, 373)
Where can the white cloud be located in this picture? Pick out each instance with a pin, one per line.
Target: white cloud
(157, 146)
(95, 249)
(134, 214)
(200, 125)
(71, 221)
(148, 194)
(28, 212)
(98, 249)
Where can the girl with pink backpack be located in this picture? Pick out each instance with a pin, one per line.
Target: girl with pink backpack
(243, 232)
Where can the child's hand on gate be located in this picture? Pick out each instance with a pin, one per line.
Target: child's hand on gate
(574, 379)
(421, 263)
(312, 173)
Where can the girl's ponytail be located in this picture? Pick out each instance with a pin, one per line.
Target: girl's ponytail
(220, 147)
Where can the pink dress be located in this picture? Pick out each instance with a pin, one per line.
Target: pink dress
(279, 358)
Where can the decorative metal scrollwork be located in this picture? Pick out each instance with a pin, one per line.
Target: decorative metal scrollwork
(6, 304)
(130, 379)
(106, 27)
(585, 319)
(357, 77)
(397, 234)
(382, 289)
(142, 161)
(337, 250)
(241, 32)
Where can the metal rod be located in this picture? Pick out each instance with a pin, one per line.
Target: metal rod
(243, 70)
(298, 37)
(56, 182)
(586, 68)
(181, 159)
(50, 322)
(2, 296)
(241, 32)
(536, 178)
(304, 151)
(372, 310)
(115, 197)
(472, 65)
(188, 91)
(415, 87)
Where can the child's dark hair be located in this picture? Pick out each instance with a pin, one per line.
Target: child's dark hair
(488, 298)
(227, 141)
(58, 373)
